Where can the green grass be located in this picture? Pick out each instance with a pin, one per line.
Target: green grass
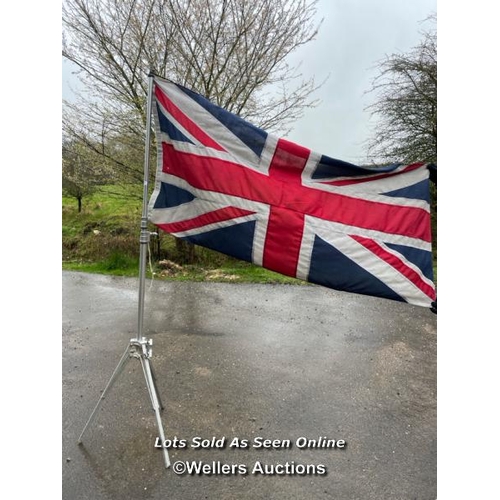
(109, 208)
(229, 271)
(104, 235)
(244, 272)
(129, 269)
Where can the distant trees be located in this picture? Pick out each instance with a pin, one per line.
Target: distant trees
(406, 104)
(82, 169)
(79, 175)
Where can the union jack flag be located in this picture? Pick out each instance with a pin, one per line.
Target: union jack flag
(225, 184)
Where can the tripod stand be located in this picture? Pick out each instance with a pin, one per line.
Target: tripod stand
(140, 347)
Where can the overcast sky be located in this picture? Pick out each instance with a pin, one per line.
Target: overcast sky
(354, 36)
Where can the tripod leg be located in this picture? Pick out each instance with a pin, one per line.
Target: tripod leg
(117, 372)
(146, 366)
(155, 385)
(146, 376)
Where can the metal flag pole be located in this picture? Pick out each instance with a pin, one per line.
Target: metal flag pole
(141, 347)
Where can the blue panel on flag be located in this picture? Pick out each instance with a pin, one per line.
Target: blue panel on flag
(167, 127)
(236, 241)
(331, 268)
(420, 258)
(172, 196)
(253, 137)
(330, 167)
(417, 191)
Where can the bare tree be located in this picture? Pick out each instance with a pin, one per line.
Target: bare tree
(231, 51)
(406, 104)
(114, 141)
(81, 171)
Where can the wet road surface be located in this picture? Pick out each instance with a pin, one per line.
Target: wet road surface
(278, 362)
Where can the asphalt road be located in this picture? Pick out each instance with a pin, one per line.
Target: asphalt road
(243, 363)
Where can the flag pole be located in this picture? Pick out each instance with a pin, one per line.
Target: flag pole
(145, 234)
(141, 347)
